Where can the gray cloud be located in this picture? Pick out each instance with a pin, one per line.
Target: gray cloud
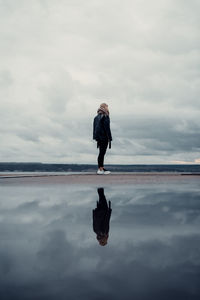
(61, 60)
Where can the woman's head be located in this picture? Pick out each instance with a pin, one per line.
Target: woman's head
(104, 105)
(102, 239)
(103, 108)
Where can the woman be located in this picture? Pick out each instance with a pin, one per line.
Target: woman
(101, 218)
(102, 134)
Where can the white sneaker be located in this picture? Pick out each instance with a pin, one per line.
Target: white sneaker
(103, 172)
(100, 172)
(106, 172)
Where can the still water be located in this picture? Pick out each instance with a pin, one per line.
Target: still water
(100, 242)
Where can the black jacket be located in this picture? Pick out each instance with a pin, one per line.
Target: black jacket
(101, 220)
(101, 128)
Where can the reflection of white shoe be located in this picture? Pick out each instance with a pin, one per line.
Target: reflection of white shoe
(106, 172)
(100, 172)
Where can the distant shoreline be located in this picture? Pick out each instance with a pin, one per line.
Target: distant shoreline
(71, 168)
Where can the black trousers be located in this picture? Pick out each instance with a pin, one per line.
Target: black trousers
(102, 145)
(102, 203)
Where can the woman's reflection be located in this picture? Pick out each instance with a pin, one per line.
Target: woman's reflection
(101, 218)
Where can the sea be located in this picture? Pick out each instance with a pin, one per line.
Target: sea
(71, 168)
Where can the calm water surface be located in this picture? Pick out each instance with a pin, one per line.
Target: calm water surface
(49, 249)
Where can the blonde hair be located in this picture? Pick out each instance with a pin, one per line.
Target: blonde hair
(103, 109)
(104, 105)
(103, 240)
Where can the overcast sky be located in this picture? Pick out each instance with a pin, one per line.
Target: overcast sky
(61, 59)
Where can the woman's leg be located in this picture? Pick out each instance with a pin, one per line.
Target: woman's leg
(102, 151)
(102, 203)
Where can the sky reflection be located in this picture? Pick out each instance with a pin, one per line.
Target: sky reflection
(49, 250)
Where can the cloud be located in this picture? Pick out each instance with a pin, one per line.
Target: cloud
(61, 60)
(48, 245)
(196, 161)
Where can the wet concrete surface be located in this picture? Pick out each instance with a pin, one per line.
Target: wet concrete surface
(88, 178)
(49, 249)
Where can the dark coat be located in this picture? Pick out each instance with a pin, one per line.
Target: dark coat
(101, 220)
(101, 128)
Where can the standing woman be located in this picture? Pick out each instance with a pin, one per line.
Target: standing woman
(102, 134)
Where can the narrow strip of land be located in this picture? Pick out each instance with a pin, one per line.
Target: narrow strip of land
(93, 178)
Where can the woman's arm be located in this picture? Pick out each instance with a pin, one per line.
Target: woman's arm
(106, 124)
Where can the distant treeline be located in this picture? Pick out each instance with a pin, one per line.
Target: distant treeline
(42, 167)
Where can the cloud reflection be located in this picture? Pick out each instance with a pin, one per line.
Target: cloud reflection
(153, 253)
